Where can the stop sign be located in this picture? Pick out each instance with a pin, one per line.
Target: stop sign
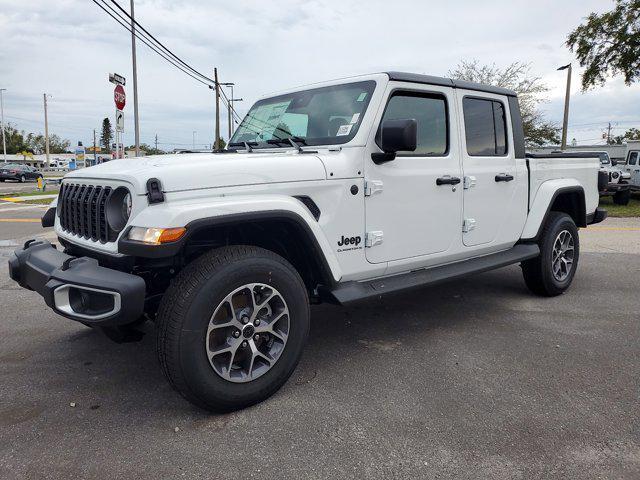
(119, 97)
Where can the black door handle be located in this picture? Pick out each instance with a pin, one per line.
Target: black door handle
(447, 180)
(503, 177)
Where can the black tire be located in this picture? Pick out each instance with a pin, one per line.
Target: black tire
(2, 180)
(622, 197)
(187, 307)
(538, 272)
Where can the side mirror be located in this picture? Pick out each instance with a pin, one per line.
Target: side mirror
(396, 136)
(614, 162)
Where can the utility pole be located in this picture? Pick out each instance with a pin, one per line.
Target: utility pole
(156, 141)
(135, 81)
(565, 121)
(194, 139)
(4, 140)
(46, 130)
(217, 86)
(609, 134)
(95, 155)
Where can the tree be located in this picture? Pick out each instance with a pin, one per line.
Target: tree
(36, 143)
(15, 139)
(147, 149)
(609, 44)
(530, 90)
(106, 135)
(631, 134)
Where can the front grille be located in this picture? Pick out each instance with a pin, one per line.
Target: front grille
(82, 211)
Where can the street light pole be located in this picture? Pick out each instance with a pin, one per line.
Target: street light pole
(135, 81)
(194, 140)
(233, 110)
(565, 121)
(4, 139)
(46, 131)
(230, 105)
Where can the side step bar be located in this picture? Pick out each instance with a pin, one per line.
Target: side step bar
(349, 292)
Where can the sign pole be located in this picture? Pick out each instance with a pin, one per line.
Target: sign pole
(135, 81)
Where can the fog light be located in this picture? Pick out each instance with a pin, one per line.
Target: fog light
(156, 236)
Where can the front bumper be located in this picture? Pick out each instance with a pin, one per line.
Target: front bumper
(615, 187)
(78, 288)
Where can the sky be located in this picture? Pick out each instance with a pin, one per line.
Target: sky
(67, 48)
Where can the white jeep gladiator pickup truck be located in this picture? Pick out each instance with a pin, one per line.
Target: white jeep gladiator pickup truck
(339, 192)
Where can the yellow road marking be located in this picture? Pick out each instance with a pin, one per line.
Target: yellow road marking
(619, 229)
(11, 199)
(20, 220)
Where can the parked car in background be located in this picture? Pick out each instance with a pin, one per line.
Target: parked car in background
(632, 166)
(20, 173)
(619, 180)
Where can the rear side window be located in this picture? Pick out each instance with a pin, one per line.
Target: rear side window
(633, 158)
(485, 127)
(430, 113)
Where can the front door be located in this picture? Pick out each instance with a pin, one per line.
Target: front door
(490, 176)
(409, 213)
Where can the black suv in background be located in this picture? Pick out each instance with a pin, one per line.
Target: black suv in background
(21, 173)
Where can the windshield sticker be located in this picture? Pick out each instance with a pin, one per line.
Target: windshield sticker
(355, 118)
(344, 130)
(361, 97)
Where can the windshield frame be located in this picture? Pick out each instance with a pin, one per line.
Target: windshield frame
(370, 85)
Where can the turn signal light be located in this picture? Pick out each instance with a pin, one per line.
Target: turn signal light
(156, 236)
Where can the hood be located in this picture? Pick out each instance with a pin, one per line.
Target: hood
(191, 171)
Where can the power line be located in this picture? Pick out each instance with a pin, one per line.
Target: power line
(120, 20)
(167, 54)
(124, 19)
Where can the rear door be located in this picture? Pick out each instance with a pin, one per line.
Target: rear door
(489, 169)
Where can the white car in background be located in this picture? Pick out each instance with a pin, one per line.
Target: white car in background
(619, 180)
(632, 165)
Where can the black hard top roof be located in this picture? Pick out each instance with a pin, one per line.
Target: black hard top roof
(448, 82)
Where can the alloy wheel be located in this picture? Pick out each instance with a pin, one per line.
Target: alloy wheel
(247, 332)
(562, 255)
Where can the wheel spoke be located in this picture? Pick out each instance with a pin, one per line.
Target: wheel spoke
(269, 318)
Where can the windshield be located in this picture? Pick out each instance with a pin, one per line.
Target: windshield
(604, 159)
(320, 116)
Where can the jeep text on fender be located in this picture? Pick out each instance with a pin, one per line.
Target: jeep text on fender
(339, 192)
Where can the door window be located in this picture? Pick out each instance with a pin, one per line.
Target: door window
(430, 113)
(485, 127)
(633, 158)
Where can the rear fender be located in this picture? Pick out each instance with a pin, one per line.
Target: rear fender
(543, 200)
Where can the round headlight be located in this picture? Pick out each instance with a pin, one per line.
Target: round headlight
(118, 208)
(615, 174)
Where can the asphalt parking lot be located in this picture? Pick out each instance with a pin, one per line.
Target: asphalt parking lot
(474, 379)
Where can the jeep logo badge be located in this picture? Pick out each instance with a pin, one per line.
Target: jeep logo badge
(349, 241)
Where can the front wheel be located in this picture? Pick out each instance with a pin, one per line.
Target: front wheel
(622, 197)
(232, 327)
(22, 179)
(552, 272)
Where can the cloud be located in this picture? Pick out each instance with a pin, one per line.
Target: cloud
(67, 48)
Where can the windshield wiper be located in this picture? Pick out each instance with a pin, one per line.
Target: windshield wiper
(246, 145)
(295, 142)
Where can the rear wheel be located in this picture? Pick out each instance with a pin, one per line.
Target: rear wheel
(622, 197)
(22, 179)
(552, 272)
(232, 327)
